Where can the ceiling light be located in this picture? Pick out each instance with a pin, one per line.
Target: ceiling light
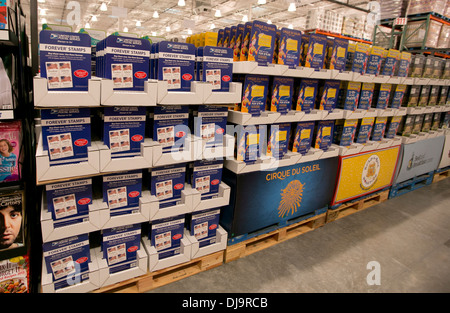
(87, 25)
(155, 14)
(245, 18)
(103, 7)
(41, 1)
(189, 32)
(292, 7)
(290, 26)
(181, 3)
(168, 29)
(212, 26)
(138, 23)
(43, 21)
(94, 18)
(269, 22)
(218, 14)
(125, 29)
(42, 11)
(153, 33)
(261, 1)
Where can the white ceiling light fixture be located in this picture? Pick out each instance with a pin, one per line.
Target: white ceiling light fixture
(212, 26)
(181, 3)
(94, 18)
(261, 1)
(290, 26)
(138, 23)
(87, 25)
(155, 14)
(41, 1)
(44, 20)
(42, 11)
(218, 14)
(168, 29)
(292, 7)
(245, 18)
(125, 29)
(153, 33)
(269, 22)
(189, 31)
(103, 7)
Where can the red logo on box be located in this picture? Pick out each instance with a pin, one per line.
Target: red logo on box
(134, 194)
(180, 134)
(137, 138)
(84, 201)
(140, 75)
(132, 249)
(178, 186)
(213, 226)
(81, 260)
(226, 78)
(81, 73)
(215, 182)
(187, 76)
(220, 130)
(80, 142)
(177, 236)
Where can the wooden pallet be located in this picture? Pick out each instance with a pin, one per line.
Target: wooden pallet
(356, 205)
(260, 242)
(441, 174)
(165, 276)
(411, 185)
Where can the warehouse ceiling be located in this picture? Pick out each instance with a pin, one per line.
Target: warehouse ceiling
(179, 21)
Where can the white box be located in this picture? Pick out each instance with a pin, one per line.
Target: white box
(154, 263)
(312, 155)
(112, 97)
(299, 71)
(352, 149)
(150, 204)
(176, 156)
(45, 172)
(195, 96)
(240, 167)
(220, 244)
(232, 96)
(107, 279)
(421, 81)
(108, 221)
(321, 74)
(290, 117)
(336, 114)
(251, 67)
(411, 139)
(108, 164)
(370, 145)
(242, 118)
(51, 233)
(43, 98)
(314, 115)
(222, 199)
(335, 74)
(47, 285)
(401, 111)
(332, 151)
(408, 81)
(415, 110)
(357, 114)
(386, 112)
(363, 78)
(203, 152)
(395, 80)
(381, 79)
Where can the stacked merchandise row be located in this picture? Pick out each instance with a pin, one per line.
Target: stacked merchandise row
(143, 213)
(16, 177)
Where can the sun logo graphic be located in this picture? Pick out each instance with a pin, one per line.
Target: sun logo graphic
(291, 198)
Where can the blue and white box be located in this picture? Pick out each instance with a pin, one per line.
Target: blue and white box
(324, 134)
(69, 201)
(167, 183)
(124, 130)
(306, 99)
(206, 176)
(122, 191)
(280, 96)
(330, 95)
(215, 66)
(65, 60)
(379, 128)
(210, 123)
(120, 246)
(203, 225)
(278, 140)
(302, 138)
(366, 96)
(166, 234)
(66, 134)
(67, 260)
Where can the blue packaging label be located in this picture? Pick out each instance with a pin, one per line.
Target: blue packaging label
(360, 58)
(338, 55)
(206, 177)
(262, 43)
(65, 60)
(122, 191)
(379, 128)
(392, 126)
(403, 64)
(303, 137)
(254, 94)
(215, 66)
(289, 47)
(171, 126)
(330, 95)
(278, 140)
(375, 60)
(124, 130)
(344, 132)
(307, 95)
(120, 246)
(390, 62)
(315, 56)
(350, 95)
(69, 201)
(203, 226)
(166, 234)
(383, 93)
(67, 260)
(397, 96)
(364, 129)
(167, 183)
(66, 134)
(210, 122)
(281, 94)
(366, 95)
(324, 135)
(176, 64)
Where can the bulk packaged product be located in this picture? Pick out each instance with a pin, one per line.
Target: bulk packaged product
(170, 126)
(397, 95)
(67, 260)
(262, 43)
(360, 58)
(315, 56)
(254, 95)
(403, 64)
(166, 234)
(250, 142)
(280, 94)
(120, 246)
(10, 150)
(66, 134)
(215, 66)
(392, 126)
(203, 226)
(65, 60)
(205, 176)
(337, 57)
(366, 96)
(438, 68)
(436, 121)
(209, 123)
(379, 128)
(424, 95)
(344, 132)
(278, 140)
(167, 183)
(390, 62)
(382, 94)
(364, 129)
(122, 191)
(413, 93)
(443, 95)
(417, 65)
(349, 95)
(175, 63)
(96, 36)
(418, 122)
(124, 60)
(289, 47)
(406, 125)
(350, 55)
(374, 61)
(68, 202)
(305, 98)
(330, 95)
(428, 67)
(302, 137)
(323, 135)
(434, 95)
(427, 120)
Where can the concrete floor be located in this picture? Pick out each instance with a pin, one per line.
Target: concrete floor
(408, 236)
